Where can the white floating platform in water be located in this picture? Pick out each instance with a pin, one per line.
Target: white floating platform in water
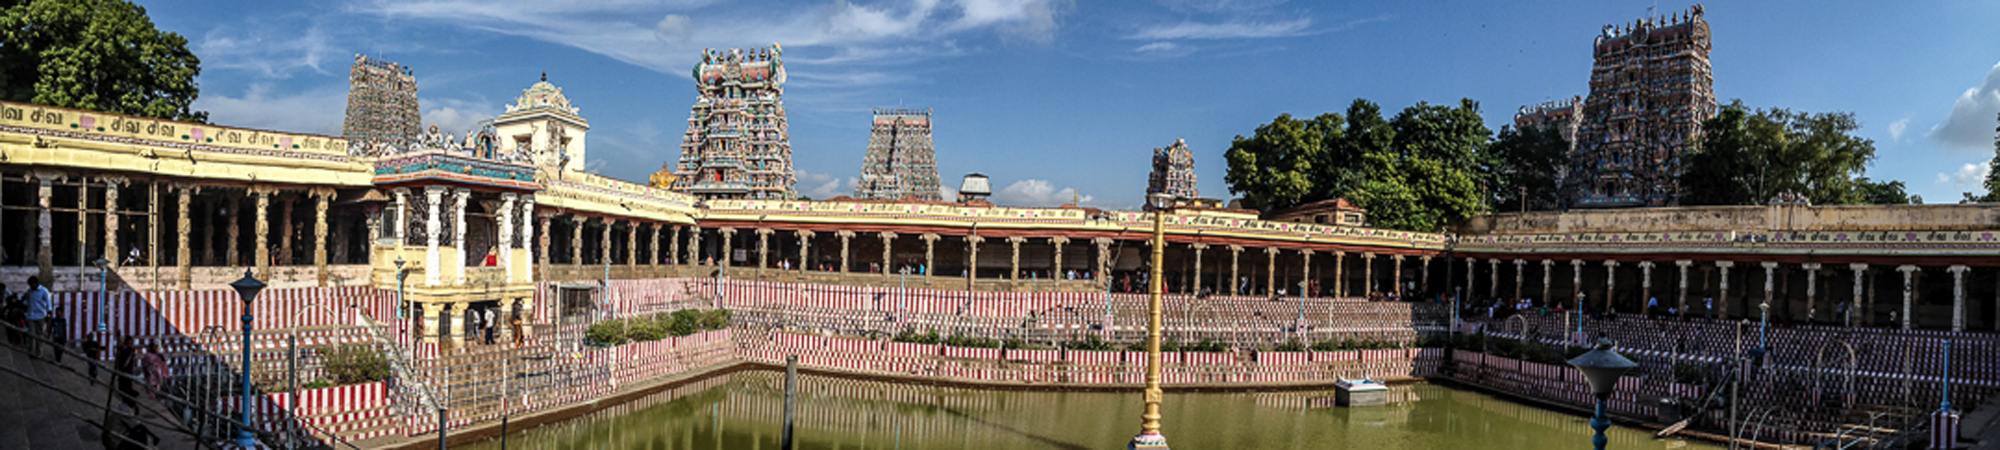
(1357, 393)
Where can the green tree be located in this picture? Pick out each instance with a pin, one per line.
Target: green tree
(1992, 183)
(1432, 172)
(1884, 192)
(1531, 160)
(1747, 158)
(99, 55)
(1273, 169)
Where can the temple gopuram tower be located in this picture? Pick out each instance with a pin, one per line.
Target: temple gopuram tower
(1173, 172)
(901, 162)
(736, 144)
(1650, 88)
(381, 106)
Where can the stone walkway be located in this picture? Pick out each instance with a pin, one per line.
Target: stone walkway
(44, 405)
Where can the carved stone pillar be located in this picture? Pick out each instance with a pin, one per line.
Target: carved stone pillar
(888, 256)
(1682, 309)
(1812, 291)
(576, 244)
(694, 246)
(1339, 280)
(930, 247)
(1305, 270)
(674, 246)
(1235, 275)
(653, 252)
(44, 225)
(1547, 268)
(1520, 276)
(604, 255)
(434, 198)
(543, 241)
(1396, 274)
(234, 214)
(1906, 270)
(1425, 274)
(1058, 242)
(457, 263)
(763, 247)
(153, 225)
(431, 316)
(111, 184)
(1645, 285)
(1198, 249)
(1014, 267)
(1723, 289)
(1957, 297)
(972, 259)
(504, 218)
(1610, 283)
(284, 256)
(183, 258)
(805, 248)
(1576, 283)
(263, 196)
(1493, 277)
(845, 236)
(320, 197)
(632, 244)
(1471, 278)
(728, 246)
(1367, 274)
(457, 319)
(528, 232)
(1854, 308)
(1270, 271)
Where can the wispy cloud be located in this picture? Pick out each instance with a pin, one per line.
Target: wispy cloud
(1969, 176)
(268, 54)
(1970, 125)
(1224, 30)
(317, 110)
(1033, 192)
(820, 186)
(1897, 128)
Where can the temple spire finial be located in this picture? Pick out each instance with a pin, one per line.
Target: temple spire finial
(545, 75)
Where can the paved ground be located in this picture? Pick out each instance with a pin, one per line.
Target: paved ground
(43, 406)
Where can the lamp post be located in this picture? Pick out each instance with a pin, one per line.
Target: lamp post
(1763, 322)
(1149, 428)
(103, 298)
(1601, 367)
(246, 288)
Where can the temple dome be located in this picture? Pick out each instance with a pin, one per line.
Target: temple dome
(542, 95)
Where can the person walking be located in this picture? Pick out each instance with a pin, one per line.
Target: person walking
(155, 366)
(491, 327)
(38, 315)
(516, 323)
(125, 365)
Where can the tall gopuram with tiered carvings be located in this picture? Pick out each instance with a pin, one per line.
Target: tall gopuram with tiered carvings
(901, 162)
(1650, 88)
(736, 144)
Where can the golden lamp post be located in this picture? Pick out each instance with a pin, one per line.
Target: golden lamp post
(1149, 427)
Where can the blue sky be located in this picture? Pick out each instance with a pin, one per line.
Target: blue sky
(1057, 98)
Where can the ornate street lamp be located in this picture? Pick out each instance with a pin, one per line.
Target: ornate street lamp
(103, 297)
(1149, 428)
(1602, 367)
(246, 288)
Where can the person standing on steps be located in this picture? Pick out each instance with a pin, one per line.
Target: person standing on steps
(38, 314)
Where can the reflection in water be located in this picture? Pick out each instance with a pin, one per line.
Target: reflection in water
(743, 411)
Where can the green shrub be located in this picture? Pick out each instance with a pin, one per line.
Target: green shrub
(645, 329)
(606, 333)
(685, 322)
(715, 319)
(1091, 342)
(1291, 346)
(1209, 345)
(354, 364)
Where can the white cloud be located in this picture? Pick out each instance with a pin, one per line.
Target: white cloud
(820, 186)
(1033, 192)
(947, 193)
(1896, 129)
(1225, 30)
(269, 54)
(319, 110)
(668, 38)
(1970, 125)
(1971, 176)
(455, 116)
(1162, 46)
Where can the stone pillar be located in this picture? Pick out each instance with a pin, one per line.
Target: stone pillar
(263, 196)
(235, 217)
(1396, 274)
(184, 258)
(1235, 275)
(1958, 297)
(1271, 271)
(1906, 270)
(1723, 289)
(972, 259)
(1682, 310)
(458, 234)
(284, 256)
(457, 319)
(604, 255)
(433, 198)
(111, 184)
(528, 232)
(1425, 274)
(1367, 274)
(805, 248)
(432, 312)
(694, 247)
(632, 244)
(764, 247)
(1103, 261)
(1812, 290)
(1493, 277)
(653, 252)
(1645, 286)
(153, 226)
(402, 219)
(1198, 249)
(1305, 270)
(1058, 242)
(930, 247)
(1854, 307)
(1014, 266)
(674, 246)
(728, 246)
(1768, 267)
(1547, 266)
(1576, 283)
(888, 253)
(320, 197)
(844, 236)
(1471, 281)
(1339, 282)
(505, 221)
(1520, 276)
(543, 239)
(44, 225)
(502, 333)
(576, 243)
(1610, 283)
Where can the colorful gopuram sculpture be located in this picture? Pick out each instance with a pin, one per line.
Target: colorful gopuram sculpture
(901, 162)
(1650, 89)
(382, 114)
(1173, 172)
(736, 144)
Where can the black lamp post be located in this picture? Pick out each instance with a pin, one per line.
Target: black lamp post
(1602, 366)
(247, 288)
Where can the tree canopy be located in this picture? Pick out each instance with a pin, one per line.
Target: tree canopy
(1532, 160)
(1748, 157)
(1992, 183)
(99, 55)
(1417, 171)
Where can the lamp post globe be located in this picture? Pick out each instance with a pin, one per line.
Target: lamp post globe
(1602, 367)
(247, 288)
